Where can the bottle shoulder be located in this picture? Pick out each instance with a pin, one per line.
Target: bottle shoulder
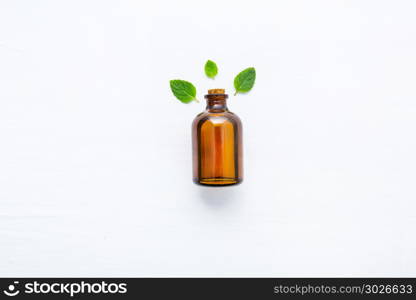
(205, 115)
(214, 117)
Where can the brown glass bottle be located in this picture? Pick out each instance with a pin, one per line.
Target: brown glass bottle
(217, 143)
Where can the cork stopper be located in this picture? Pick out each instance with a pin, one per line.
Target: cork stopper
(216, 91)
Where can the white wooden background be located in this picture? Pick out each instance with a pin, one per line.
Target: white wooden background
(95, 154)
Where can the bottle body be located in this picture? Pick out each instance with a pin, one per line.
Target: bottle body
(217, 144)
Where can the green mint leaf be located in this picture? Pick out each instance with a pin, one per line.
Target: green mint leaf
(244, 81)
(211, 69)
(183, 90)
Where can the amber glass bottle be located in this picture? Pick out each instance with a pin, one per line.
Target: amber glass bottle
(217, 143)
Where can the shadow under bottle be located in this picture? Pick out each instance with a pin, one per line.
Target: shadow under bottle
(217, 143)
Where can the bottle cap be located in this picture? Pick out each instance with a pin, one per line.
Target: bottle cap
(216, 91)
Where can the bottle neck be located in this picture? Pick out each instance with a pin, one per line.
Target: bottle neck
(216, 102)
